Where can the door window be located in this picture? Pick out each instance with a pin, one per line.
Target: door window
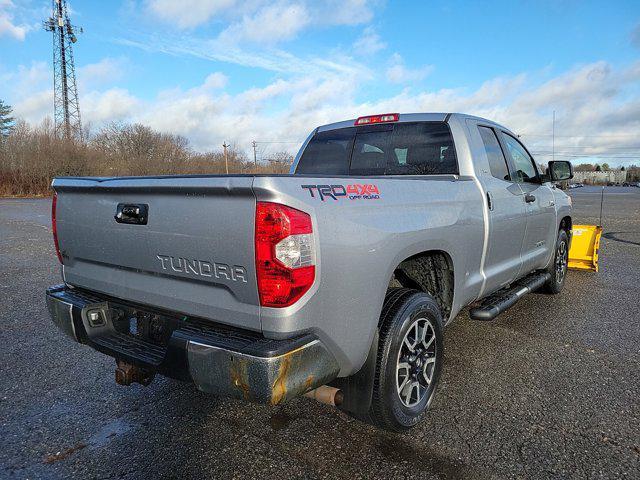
(525, 170)
(497, 163)
(422, 148)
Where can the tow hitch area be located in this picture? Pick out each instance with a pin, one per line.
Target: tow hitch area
(219, 359)
(126, 374)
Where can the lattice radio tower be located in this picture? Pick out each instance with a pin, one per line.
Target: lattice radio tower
(65, 93)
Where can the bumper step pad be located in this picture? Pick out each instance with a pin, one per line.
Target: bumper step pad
(128, 346)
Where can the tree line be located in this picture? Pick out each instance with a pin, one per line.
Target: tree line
(31, 156)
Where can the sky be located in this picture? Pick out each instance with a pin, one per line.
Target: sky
(234, 71)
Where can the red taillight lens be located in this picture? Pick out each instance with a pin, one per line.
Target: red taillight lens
(285, 254)
(54, 226)
(384, 118)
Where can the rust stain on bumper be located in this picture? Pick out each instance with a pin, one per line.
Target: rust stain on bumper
(279, 389)
(239, 376)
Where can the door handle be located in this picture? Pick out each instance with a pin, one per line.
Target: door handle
(529, 198)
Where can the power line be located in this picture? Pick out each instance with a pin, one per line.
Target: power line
(628, 147)
(578, 136)
(585, 155)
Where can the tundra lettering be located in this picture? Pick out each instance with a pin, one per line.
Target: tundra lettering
(203, 268)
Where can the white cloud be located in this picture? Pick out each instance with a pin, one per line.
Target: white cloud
(188, 13)
(215, 81)
(345, 12)
(97, 107)
(261, 20)
(27, 79)
(369, 42)
(399, 73)
(35, 107)
(272, 59)
(269, 25)
(107, 70)
(8, 27)
(596, 104)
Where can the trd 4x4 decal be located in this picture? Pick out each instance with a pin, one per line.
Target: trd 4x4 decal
(354, 191)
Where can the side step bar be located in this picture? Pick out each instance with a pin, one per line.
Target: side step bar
(502, 300)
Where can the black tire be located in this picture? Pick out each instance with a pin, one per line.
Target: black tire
(402, 310)
(559, 265)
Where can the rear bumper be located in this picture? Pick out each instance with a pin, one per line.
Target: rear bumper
(218, 359)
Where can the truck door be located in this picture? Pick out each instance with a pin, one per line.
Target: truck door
(507, 212)
(540, 236)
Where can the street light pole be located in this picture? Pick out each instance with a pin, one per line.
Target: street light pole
(226, 158)
(255, 158)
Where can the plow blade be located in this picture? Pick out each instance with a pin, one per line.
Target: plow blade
(585, 246)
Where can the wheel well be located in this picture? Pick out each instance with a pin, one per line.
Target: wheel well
(566, 225)
(430, 272)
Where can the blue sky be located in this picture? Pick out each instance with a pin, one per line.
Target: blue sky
(227, 70)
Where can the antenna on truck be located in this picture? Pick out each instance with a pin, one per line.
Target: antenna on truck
(601, 202)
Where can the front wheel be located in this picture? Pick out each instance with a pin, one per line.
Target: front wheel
(409, 359)
(559, 265)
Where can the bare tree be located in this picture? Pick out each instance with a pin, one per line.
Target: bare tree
(32, 156)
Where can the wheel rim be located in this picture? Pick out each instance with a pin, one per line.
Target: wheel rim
(416, 362)
(562, 260)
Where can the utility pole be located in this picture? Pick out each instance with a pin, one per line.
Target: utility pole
(65, 93)
(255, 158)
(553, 137)
(226, 158)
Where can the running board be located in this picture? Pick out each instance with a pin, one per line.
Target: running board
(495, 304)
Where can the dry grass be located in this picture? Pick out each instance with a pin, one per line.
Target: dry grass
(32, 156)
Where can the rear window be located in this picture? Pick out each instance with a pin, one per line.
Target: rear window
(417, 148)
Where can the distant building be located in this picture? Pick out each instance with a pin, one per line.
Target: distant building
(613, 176)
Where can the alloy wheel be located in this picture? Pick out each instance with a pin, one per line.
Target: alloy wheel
(416, 362)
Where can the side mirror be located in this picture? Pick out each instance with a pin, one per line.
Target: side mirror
(560, 170)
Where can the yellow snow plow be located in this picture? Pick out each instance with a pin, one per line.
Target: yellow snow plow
(585, 246)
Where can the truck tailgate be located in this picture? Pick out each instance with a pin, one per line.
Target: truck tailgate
(193, 253)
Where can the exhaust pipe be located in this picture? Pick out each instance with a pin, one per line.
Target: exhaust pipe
(327, 395)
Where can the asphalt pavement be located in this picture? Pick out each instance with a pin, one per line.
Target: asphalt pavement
(551, 389)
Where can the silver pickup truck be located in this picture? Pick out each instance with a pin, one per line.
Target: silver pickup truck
(334, 281)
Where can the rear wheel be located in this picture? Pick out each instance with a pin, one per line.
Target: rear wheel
(409, 359)
(559, 266)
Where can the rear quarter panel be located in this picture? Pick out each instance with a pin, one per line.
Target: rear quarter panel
(361, 241)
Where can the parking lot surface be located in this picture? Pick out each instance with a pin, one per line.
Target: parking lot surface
(551, 389)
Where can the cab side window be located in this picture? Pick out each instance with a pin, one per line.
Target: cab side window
(497, 162)
(525, 170)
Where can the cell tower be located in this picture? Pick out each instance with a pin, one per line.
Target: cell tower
(65, 93)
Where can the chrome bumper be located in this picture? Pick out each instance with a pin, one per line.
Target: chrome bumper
(218, 359)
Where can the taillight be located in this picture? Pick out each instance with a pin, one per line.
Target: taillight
(384, 118)
(285, 254)
(54, 227)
